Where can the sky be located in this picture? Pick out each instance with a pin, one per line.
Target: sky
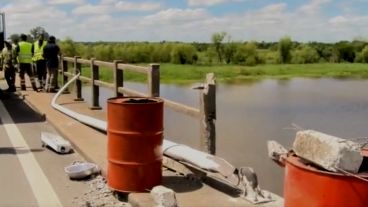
(190, 20)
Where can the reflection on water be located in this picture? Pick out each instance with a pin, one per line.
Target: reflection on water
(250, 114)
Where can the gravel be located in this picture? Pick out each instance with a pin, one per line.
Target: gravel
(99, 194)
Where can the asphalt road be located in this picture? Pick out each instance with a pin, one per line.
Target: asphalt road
(29, 174)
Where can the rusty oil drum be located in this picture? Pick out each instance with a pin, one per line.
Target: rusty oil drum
(135, 136)
(306, 186)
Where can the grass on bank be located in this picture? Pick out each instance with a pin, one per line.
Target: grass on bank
(171, 73)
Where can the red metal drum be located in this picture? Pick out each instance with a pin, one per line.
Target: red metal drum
(135, 136)
(306, 186)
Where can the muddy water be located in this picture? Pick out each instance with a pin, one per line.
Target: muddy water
(249, 114)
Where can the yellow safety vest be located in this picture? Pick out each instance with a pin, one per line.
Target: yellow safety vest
(38, 51)
(25, 52)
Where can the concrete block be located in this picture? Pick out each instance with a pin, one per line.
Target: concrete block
(163, 197)
(329, 152)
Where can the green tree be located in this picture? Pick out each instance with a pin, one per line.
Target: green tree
(330, 54)
(184, 54)
(247, 54)
(365, 54)
(305, 54)
(210, 55)
(229, 51)
(104, 52)
(37, 31)
(14, 37)
(346, 51)
(284, 48)
(217, 39)
(68, 47)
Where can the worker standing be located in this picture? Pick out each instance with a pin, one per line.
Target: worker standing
(8, 58)
(39, 60)
(51, 54)
(24, 53)
(15, 47)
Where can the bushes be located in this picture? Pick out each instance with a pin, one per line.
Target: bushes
(330, 54)
(68, 47)
(207, 54)
(246, 54)
(305, 54)
(284, 48)
(365, 54)
(346, 52)
(184, 54)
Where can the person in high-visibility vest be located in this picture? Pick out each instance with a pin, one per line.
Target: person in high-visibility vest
(24, 53)
(39, 60)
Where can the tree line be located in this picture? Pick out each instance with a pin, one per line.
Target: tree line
(221, 50)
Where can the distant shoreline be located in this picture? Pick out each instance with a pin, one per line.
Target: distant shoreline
(182, 74)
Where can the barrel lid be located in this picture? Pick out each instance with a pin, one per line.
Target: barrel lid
(134, 100)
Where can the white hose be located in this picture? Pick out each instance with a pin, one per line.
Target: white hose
(176, 151)
(96, 123)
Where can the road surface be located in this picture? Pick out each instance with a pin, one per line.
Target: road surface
(31, 175)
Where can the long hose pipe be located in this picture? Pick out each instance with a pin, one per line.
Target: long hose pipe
(171, 149)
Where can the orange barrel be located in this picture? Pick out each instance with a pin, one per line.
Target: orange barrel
(306, 186)
(135, 136)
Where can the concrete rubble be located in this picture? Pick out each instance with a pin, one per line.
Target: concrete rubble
(329, 152)
(99, 195)
(163, 197)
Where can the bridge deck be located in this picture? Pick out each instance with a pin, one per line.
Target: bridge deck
(92, 144)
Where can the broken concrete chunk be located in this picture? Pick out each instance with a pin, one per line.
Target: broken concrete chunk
(329, 152)
(275, 150)
(163, 197)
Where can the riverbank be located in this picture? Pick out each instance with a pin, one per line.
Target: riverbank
(171, 73)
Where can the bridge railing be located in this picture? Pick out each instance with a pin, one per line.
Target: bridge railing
(206, 112)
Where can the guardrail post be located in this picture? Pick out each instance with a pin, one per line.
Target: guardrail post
(118, 78)
(78, 83)
(64, 68)
(208, 115)
(154, 80)
(95, 88)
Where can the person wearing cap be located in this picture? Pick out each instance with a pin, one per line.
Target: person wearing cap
(51, 54)
(24, 53)
(39, 61)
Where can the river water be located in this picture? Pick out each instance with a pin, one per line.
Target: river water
(249, 114)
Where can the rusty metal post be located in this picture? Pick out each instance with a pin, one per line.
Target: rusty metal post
(208, 115)
(78, 83)
(95, 88)
(118, 78)
(154, 80)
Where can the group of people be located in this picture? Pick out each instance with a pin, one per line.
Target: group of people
(40, 60)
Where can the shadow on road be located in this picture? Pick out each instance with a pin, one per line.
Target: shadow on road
(17, 150)
(181, 184)
(20, 111)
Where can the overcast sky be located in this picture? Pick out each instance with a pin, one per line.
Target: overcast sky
(190, 20)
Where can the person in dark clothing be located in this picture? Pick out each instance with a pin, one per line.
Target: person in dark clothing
(8, 57)
(51, 54)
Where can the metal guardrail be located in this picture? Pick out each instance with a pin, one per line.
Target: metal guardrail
(206, 112)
